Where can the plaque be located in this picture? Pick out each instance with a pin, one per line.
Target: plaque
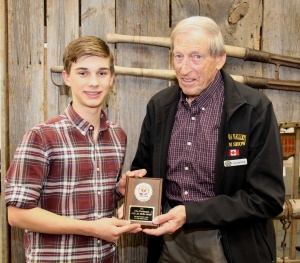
(142, 200)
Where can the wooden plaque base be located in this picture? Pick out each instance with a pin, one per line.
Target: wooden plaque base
(143, 200)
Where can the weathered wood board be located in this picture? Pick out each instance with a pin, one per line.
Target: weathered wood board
(281, 35)
(4, 228)
(98, 18)
(62, 28)
(269, 25)
(149, 18)
(25, 81)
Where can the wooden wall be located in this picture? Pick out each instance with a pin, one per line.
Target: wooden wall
(37, 31)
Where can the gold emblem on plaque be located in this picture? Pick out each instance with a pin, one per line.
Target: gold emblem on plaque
(143, 192)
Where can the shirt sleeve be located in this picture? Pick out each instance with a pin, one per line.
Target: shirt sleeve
(117, 193)
(26, 174)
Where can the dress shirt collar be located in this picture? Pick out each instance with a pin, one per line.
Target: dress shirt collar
(82, 125)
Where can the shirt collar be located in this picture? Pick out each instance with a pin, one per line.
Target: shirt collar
(208, 93)
(82, 125)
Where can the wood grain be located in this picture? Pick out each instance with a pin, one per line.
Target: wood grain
(62, 28)
(26, 80)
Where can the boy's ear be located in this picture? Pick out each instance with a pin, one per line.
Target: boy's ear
(65, 77)
(112, 79)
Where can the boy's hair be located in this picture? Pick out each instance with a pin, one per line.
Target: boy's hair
(86, 46)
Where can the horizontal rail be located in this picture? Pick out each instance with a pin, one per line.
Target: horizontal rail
(255, 82)
(231, 51)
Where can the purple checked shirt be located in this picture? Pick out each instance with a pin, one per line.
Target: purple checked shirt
(59, 167)
(193, 145)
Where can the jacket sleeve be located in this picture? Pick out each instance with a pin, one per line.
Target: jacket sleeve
(253, 192)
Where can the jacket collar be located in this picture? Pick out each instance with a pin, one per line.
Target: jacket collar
(233, 98)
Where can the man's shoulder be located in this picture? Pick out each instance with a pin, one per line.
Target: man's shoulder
(252, 95)
(248, 94)
(167, 95)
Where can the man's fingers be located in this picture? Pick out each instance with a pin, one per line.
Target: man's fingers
(141, 172)
(157, 232)
(119, 222)
(132, 228)
(137, 173)
(158, 220)
(126, 226)
(136, 230)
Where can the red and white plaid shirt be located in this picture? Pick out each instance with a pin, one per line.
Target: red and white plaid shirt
(193, 145)
(60, 168)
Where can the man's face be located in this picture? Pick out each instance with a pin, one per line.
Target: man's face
(90, 79)
(195, 68)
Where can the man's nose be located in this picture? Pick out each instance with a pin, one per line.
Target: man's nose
(186, 65)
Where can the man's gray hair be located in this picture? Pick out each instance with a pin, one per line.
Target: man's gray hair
(205, 25)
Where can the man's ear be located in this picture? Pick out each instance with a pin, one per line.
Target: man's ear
(66, 78)
(221, 61)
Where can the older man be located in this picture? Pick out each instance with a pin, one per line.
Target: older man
(216, 144)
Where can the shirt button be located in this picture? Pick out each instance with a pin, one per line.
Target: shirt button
(99, 216)
(91, 128)
(189, 143)
(186, 192)
(99, 192)
(193, 118)
(98, 169)
(203, 109)
(186, 168)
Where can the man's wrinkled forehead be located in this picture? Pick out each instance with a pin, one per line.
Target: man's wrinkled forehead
(192, 42)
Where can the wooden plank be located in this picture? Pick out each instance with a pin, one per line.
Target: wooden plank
(25, 66)
(62, 28)
(281, 34)
(183, 9)
(4, 229)
(98, 18)
(243, 31)
(25, 78)
(295, 190)
(149, 18)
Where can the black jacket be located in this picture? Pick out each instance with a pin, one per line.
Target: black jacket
(247, 196)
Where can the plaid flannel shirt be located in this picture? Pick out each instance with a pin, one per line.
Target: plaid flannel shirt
(58, 167)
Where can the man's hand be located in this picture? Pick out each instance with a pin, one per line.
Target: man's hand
(168, 222)
(110, 229)
(122, 182)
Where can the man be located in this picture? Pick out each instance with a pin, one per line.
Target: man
(216, 144)
(61, 184)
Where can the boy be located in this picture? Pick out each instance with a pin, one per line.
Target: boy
(61, 184)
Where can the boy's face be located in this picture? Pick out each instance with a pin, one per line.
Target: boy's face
(89, 79)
